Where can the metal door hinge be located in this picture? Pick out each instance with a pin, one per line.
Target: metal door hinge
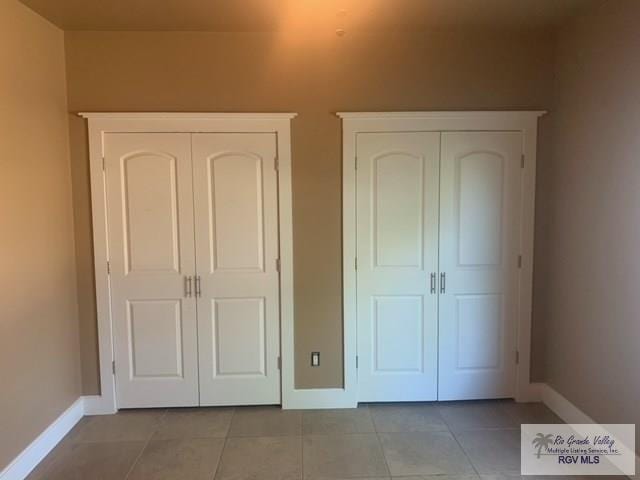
(113, 367)
(356, 163)
(279, 363)
(108, 267)
(519, 261)
(277, 265)
(276, 164)
(522, 161)
(355, 263)
(103, 164)
(356, 361)
(517, 357)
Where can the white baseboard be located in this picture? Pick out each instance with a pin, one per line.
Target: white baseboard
(97, 405)
(568, 412)
(318, 398)
(31, 456)
(562, 407)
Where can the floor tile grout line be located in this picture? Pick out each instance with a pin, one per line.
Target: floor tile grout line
(224, 445)
(301, 451)
(379, 440)
(384, 455)
(515, 426)
(373, 421)
(301, 444)
(448, 430)
(466, 455)
(436, 428)
(444, 419)
(135, 462)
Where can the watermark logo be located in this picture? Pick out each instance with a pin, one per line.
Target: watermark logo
(542, 441)
(578, 449)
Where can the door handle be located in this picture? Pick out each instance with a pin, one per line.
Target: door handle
(187, 286)
(443, 282)
(433, 283)
(198, 289)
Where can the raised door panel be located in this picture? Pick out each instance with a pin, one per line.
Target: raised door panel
(397, 334)
(236, 212)
(155, 339)
(480, 331)
(150, 213)
(397, 252)
(479, 247)
(479, 195)
(150, 217)
(235, 188)
(239, 337)
(398, 210)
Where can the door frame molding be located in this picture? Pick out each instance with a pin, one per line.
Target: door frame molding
(101, 123)
(362, 122)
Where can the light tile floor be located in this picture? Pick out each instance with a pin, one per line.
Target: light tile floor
(433, 441)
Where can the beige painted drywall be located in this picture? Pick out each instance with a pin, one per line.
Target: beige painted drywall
(39, 352)
(592, 302)
(312, 72)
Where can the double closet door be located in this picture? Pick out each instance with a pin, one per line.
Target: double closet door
(438, 221)
(193, 249)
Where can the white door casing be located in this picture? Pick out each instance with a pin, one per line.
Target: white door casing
(100, 126)
(150, 218)
(480, 205)
(397, 261)
(236, 236)
(522, 122)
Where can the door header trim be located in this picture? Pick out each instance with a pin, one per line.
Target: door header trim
(465, 115)
(183, 115)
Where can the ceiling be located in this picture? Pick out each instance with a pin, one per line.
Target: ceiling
(275, 15)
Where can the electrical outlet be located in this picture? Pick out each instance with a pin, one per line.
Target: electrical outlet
(315, 359)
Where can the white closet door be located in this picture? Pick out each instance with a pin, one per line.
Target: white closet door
(397, 252)
(150, 216)
(479, 236)
(235, 192)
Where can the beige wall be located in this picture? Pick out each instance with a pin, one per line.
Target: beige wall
(593, 264)
(314, 75)
(39, 358)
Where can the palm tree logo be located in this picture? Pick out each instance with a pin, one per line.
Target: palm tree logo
(542, 441)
